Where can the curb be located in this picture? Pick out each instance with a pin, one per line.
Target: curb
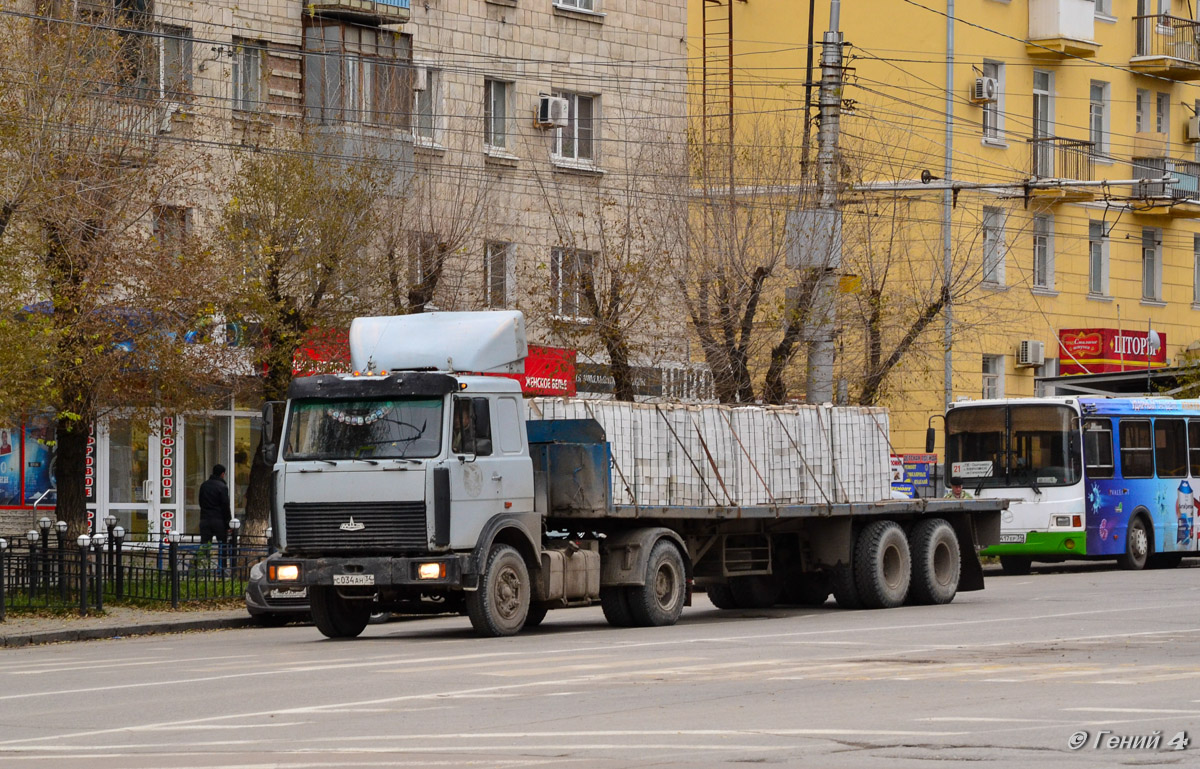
(118, 631)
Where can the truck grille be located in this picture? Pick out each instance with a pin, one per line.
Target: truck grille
(385, 527)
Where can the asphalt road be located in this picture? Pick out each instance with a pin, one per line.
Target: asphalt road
(1006, 676)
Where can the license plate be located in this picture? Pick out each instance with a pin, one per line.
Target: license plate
(354, 579)
(301, 593)
(1012, 539)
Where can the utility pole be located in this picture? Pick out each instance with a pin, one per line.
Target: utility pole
(821, 347)
(947, 205)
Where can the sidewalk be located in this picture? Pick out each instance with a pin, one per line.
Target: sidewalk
(116, 622)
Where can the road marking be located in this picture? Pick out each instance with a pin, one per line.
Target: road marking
(1164, 711)
(987, 720)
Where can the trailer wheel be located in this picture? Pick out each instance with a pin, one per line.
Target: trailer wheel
(936, 562)
(882, 565)
(1016, 565)
(337, 617)
(721, 596)
(1137, 545)
(615, 603)
(500, 605)
(660, 600)
(755, 592)
(534, 616)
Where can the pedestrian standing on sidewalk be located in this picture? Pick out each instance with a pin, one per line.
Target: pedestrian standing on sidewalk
(214, 507)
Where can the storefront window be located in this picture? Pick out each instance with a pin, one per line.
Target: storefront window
(206, 443)
(246, 434)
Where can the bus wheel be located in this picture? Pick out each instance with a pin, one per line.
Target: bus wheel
(882, 565)
(935, 562)
(1165, 560)
(337, 617)
(498, 607)
(1137, 545)
(755, 592)
(1016, 565)
(721, 596)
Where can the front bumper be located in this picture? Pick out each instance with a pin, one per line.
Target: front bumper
(1065, 544)
(376, 572)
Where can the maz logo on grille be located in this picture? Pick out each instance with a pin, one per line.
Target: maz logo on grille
(352, 525)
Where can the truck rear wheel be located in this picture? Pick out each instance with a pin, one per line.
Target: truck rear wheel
(721, 596)
(807, 589)
(936, 563)
(841, 582)
(615, 603)
(882, 565)
(755, 592)
(500, 605)
(337, 617)
(659, 601)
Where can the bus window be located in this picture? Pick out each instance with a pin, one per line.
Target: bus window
(1170, 448)
(1194, 446)
(1041, 450)
(1098, 447)
(1137, 453)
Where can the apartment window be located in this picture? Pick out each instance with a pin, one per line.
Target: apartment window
(1162, 112)
(495, 113)
(422, 256)
(583, 5)
(1043, 115)
(171, 63)
(993, 376)
(1151, 264)
(357, 74)
(427, 104)
(496, 261)
(577, 140)
(171, 227)
(1043, 252)
(1196, 270)
(993, 113)
(1142, 110)
(1097, 259)
(1104, 8)
(569, 268)
(993, 246)
(249, 64)
(1098, 117)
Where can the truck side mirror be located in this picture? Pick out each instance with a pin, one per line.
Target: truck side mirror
(930, 440)
(270, 451)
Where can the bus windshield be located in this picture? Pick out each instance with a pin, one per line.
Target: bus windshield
(375, 428)
(1020, 445)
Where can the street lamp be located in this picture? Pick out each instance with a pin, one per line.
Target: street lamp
(44, 525)
(3, 547)
(173, 556)
(84, 542)
(1153, 343)
(32, 537)
(234, 525)
(110, 521)
(60, 530)
(119, 536)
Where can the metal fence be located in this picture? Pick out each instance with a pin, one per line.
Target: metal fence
(41, 571)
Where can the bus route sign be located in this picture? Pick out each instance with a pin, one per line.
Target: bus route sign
(971, 469)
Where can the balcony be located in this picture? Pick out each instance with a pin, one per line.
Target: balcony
(362, 11)
(347, 143)
(1061, 28)
(1167, 47)
(1055, 159)
(1180, 198)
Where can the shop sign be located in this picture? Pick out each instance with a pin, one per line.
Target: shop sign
(548, 371)
(1107, 350)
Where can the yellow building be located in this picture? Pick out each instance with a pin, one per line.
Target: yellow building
(1047, 98)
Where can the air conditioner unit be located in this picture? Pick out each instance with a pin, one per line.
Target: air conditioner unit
(1031, 352)
(985, 91)
(1193, 129)
(552, 111)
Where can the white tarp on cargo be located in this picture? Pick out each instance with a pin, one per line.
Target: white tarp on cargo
(492, 342)
(737, 455)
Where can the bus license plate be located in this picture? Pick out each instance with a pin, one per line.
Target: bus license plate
(1012, 539)
(354, 579)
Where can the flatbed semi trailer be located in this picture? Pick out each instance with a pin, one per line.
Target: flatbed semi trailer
(397, 487)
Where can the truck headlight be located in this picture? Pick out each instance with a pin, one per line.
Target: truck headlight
(283, 572)
(431, 571)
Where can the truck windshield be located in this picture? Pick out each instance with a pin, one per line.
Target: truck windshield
(376, 428)
(1019, 445)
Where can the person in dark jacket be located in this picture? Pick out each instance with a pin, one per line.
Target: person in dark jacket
(214, 507)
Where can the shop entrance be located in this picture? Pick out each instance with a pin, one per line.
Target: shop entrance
(141, 482)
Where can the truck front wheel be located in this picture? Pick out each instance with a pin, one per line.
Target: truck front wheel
(660, 601)
(500, 605)
(337, 617)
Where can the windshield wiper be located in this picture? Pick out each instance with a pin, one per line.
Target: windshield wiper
(406, 459)
(368, 461)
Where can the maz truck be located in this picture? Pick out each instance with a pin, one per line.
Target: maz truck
(418, 479)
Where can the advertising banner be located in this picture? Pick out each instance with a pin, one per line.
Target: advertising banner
(10, 466)
(918, 468)
(39, 458)
(1106, 350)
(548, 371)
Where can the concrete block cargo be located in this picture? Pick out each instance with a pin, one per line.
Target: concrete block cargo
(422, 474)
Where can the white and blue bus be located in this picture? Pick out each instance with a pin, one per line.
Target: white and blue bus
(1090, 477)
